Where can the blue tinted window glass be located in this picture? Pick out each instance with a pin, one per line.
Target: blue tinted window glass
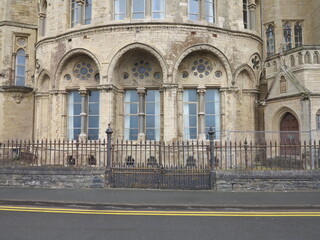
(119, 9)
(93, 122)
(150, 122)
(94, 109)
(193, 9)
(88, 10)
(77, 109)
(20, 71)
(93, 134)
(158, 9)
(151, 134)
(20, 81)
(138, 8)
(77, 122)
(150, 108)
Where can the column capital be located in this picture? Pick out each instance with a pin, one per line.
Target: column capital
(83, 92)
(141, 90)
(42, 15)
(80, 2)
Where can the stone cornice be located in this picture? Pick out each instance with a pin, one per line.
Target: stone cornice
(20, 89)
(17, 24)
(143, 26)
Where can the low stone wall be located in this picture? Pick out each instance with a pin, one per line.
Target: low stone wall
(53, 177)
(245, 181)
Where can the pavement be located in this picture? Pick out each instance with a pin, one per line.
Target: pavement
(142, 198)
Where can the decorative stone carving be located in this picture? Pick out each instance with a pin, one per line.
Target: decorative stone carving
(17, 98)
(283, 85)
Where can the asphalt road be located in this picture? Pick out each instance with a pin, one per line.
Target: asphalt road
(33, 224)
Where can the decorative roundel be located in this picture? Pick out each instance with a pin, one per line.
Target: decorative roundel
(218, 74)
(141, 69)
(83, 71)
(157, 75)
(200, 68)
(185, 74)
(97, 77)
(67, 77)
(125, 75)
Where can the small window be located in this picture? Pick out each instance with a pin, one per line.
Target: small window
(20, 71)
(87, 11)
(193, 10)
(209, 11)
(270, 40)
(245, 14)
(158, 9)
(287, 36)
(138, 9)
(297, 35)
(119, 9)
(74, 13)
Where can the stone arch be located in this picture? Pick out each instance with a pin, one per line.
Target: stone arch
(137, 46)
(207, 48)
(292, 61)
(72, 54)
(307, 58)
(316, 58)
(43, 76)
(247, 69)
(279, 114)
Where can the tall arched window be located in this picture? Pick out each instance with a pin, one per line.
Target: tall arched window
(270, 40)
(245, 14)
(287, 39)
(20, 71)
(297, 35)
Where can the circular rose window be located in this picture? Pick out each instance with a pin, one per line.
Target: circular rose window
(201, 67)
(141, 69)
(83, 70)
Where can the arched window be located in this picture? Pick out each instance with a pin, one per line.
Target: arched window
(270, 40)
(292, 60)
(287, 36)
(297, 35)
(300, 58)
(245, 14)
(20, 71)
(307, 58)
(318, 119)
(316, 59)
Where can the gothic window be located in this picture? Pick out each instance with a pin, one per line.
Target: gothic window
(297, 35)
(292, 60)
(138, 9)
(146, 106)
(318, 119)
(90, 112)
(245, 13)
(158, 9)
(270, 40)
(119, 9)
(191, 112)
(316, 58)
(20, 68)
(307, 58)
(87, 11)
(287, 36)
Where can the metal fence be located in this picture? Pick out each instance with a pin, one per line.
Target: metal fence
(191, 155)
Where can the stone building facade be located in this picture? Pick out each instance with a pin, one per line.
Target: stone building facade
(157, 69)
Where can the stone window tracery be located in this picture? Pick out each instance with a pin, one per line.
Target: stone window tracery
(201, 67)
(83, 70)
(270, 40)
(141, 69)
(298, 35)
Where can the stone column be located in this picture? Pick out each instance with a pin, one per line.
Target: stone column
(201, 115)
(180, 112)
(128, 9)
(64, 114)
(83, 114)
(252, 16)
(80, 12)
(42, 24)
(141, 114)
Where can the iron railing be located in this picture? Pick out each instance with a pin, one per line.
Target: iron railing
(154, 154)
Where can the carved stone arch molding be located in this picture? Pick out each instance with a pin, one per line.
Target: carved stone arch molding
(209, 49)
(279, 114)
(248, 69)
(73, 53)
(137, 46)
(41, 78)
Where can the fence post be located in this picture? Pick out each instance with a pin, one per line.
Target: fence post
(109, 133)
(211, 148)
